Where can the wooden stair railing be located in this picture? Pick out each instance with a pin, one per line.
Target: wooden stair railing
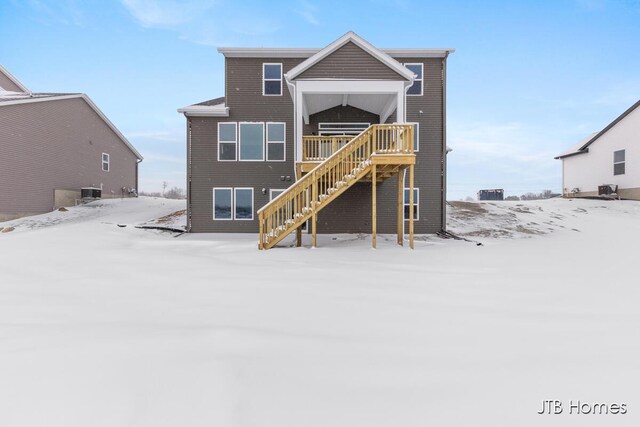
(315, 190)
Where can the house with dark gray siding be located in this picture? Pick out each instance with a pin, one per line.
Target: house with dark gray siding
(349, 138)
(54, 144)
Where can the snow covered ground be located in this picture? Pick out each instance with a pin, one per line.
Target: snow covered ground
(106, 325)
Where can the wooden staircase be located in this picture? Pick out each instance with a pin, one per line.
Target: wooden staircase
(377, 153)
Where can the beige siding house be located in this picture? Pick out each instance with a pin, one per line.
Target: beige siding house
(52, 145)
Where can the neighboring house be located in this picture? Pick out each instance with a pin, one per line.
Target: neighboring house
(52, 145)
(289, 110)
(605, 161)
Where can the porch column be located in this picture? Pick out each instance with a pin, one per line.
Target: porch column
(400, 115)
(298, 125)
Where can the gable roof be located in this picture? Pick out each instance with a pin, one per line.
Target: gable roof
(583, 146)
(361, 43)
(13, 98)
(15, 81)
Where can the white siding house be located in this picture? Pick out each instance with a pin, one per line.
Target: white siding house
(609, 157)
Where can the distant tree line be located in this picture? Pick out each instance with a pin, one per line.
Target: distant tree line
(173, 193)
(545, 194)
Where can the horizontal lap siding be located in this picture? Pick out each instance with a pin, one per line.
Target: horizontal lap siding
(350, 62)
(7, 84)
(339, 114)
(246, 103)
(57, 145)
(428, 111)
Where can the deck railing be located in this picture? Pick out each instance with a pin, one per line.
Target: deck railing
(318, 148)
(330, 178)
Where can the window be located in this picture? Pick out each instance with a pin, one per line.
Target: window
(275, 193)
(416, 211)
(227, 141)
(272, 79)
(251, 141)
(275, 141)
(222, 204)
(243, 204)
(105, 162)
(416, 136)
(618, 162)
(416, 88)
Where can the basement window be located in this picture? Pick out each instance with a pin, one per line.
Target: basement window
(243, 204)
(619, 162)
(416, 199)
(105, 162)
(275, 141)
(416, 88)
(227, 141)
(272, 79)
(222, 204)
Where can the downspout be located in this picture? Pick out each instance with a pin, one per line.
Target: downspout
(138, 161)
(188, 130)
(444, 142)
(292, 92)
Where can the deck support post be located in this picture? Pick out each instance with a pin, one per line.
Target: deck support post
(299, 236)
(400, 207)
(261, 231)
(314, 202)
(411, 201)
(374, 214)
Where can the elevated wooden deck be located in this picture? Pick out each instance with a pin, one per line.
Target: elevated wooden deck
(331, 165)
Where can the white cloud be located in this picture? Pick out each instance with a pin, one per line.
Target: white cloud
(308, 12)
(166, 13)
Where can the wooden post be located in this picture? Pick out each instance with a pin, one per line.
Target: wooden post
(411, 206)
(261, 240)
(400, 202)
(299, 236)
(374, 216)
(314, 200)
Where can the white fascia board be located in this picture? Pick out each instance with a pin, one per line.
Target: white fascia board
(90, 103)
(219, 110)
(13, 79)
(350, 86)
(419, 53)
(358, 41)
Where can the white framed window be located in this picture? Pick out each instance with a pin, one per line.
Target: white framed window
(329, 129)
(619, 162)
(243, 204)
(227, 141)
(222, 204)
(271, 79)
(106, 162)
(416, 135)
(416, 204)
(273, 193)
(418, 69)
(276, 136)
(251, 147)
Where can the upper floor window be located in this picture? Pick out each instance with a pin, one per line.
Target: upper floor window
(227, 141)
(251, 141)
(618, 162)
(275, 141)
(416, 88)
(272, 79)
(105, 162)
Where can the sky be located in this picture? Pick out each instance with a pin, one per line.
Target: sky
(528, 78)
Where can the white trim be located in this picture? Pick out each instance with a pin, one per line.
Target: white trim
(107, 162)
(417, 133)
(228, 142)
(416, 203)
(623, 162)
(283, 142)
(235, 189)
(333, 130)
(270, 52)
(91, 104)
(13, 79)
(264, 79)
(282, 190)
(220, 110)
(240, 141)
(214, 203)
(358, 41)
(421, 79)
